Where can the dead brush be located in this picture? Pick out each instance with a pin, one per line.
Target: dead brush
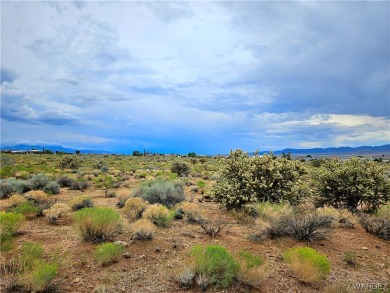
(213, 227)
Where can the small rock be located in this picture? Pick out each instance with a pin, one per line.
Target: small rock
(377, 246)
(76, 280)
(382, 265)
(120, 242)
(364, 248)
(126, 254)
(166, 250)
(142, 256)
(174, 245)
(157, 249)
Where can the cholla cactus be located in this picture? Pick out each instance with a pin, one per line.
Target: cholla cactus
(244, 179)
(355, 183)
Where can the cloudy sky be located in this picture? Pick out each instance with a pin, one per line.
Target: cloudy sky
(195, 76)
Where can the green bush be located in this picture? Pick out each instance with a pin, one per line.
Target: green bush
(39, 181)
(9, 225)
(65, 181)
(352, 184)
(107, 253)
(81, 202)
(181, 169)
(216, 263)
(160, 191)
(31, 252)
(250, 260)
(244, 179)
(41, 275)
(307, 263)
(97, 224)
(52, 187)
(5, 189)
(70, 162)
(158, 214)
(27, 208)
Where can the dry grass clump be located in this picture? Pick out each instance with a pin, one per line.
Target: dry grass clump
(143, 229)
(191, 212)
(134, 207)
(55, 212)
(252, 272)
(269, 211)
(39, 199)
(342, 216)
(15, 200)
(158, 214)
(81, 202)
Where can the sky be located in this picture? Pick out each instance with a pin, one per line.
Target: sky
(195, 76)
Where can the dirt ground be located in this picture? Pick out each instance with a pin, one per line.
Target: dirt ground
(150, 266)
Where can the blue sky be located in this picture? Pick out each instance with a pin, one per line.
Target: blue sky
(195, 76)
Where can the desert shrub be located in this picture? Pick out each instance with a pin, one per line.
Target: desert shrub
(301, 227)
(17, 186)
(55, 212)
(384, 212)
(158, 214)
(39, 199)
(212, 227)
(376, 226)
(9, 224)
(350, 258)
(355, 183)
(81, 202)
(307, 263)
(216, 263)
(97, 224)
(16, 199)
(31, 252)
(134, 207)
(201, 184)
(181, 169)
(143, 229)
(122, 200)
(251, 272)
(65, 181)
(342, 216)
(52, 187)
(70, 162)
(40, 276)
(268, 210)
(191, 212)
(160, 191)
(39, 181)
(27, 209)
(185, 277)
(79, 185)
(244, 180)
(107, 253)
(5, 189)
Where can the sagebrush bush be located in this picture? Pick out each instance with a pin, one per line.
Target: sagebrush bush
(5, 189)
(55, 212)
(244, 179)
(81, 202)
(181, 169)
(79, 185)
(97, 224)
(355, 183)
(216, 263)
(307, 263)
(143, 229)
(39, 181)
(9, 224)
(161, 191)
(185, 277)
(134, 207)
(107, 253)
(52, 187)
(377, 226)
(158, 214)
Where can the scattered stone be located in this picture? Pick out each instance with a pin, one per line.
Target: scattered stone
(126, 255)
(142, 256)
(157, 249)
(120, 242)
(76, 280)
(377, 246)
(364, 248)
(166, 251)
(174, 245)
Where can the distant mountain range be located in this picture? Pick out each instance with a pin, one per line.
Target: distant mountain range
(53, 148)
(362, 150)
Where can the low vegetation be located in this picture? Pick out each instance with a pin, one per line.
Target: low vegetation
(107, 253)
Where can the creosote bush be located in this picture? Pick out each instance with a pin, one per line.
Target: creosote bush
(353, 184)
(216, 263)
(161, 191)
(307, 263)
(107, 253)
(244, 179)
(97, 224)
